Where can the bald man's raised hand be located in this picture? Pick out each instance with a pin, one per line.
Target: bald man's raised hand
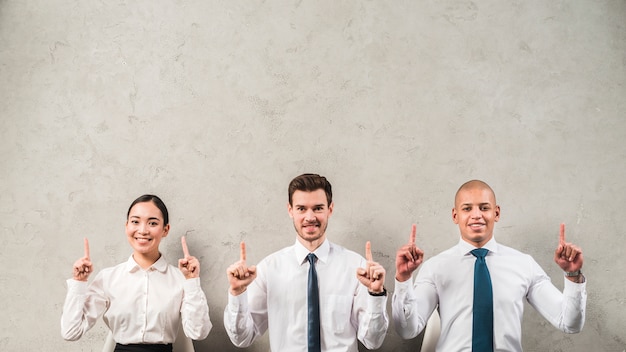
(408, 258)
(82, 267)
(568, 256)
(239, 274)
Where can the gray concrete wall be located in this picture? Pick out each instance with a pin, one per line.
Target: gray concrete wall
(216, 105)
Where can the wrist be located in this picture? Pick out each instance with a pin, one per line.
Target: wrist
(237, 292)
(575, 276)
(402, 278)
(381, 293)
(573, 273)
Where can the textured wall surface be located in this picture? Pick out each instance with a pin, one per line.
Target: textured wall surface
(216, 105)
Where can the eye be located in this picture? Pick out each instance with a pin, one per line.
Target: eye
(318, 209)
(134, 222)
(484, 208)
(153, 223)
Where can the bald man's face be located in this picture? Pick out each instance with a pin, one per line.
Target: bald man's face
(476, 212)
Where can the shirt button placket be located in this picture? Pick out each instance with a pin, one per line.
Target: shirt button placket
(145, 305)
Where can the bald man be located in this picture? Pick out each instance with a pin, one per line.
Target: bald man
(446, 282)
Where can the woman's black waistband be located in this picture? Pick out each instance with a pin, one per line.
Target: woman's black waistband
(139, 347)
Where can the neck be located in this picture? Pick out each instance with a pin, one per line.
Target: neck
(145, 260)
(478, 244)
(311, 246)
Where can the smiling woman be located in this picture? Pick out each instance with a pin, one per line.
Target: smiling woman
(168, 297)
(147, 223)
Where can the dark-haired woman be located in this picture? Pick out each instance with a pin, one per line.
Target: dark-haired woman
(143, 300)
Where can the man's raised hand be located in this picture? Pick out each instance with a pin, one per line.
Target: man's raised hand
(408, 258)
(373, 275)
(83, 267)
(567, 255)
(239, 274)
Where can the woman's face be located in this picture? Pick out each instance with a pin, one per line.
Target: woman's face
(145, 228)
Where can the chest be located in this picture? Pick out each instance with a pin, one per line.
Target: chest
(290, 281)
(150, 289)
(511, 280)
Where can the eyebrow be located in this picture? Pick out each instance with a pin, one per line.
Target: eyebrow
(314, 206)
(139, 217)
(484, 203)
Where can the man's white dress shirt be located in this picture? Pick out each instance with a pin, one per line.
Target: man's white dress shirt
(447, 281)
(277, 300)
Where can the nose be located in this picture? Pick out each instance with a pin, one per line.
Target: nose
(141, 228)
(476, 213)
(310, 216)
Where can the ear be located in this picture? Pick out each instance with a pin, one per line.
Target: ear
(290, 210)
(455, 219)
(497, 210)
(330, 209)
(166, 230)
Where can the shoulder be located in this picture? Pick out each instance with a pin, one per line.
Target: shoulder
(450, 253)
(110, 274)
(514, 259)
(277, 257)
(512, 252)
(111, 270)
(337, 251)
(173, 270)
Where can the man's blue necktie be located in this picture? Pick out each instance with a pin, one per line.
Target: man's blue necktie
(482, 328)
(313, 298)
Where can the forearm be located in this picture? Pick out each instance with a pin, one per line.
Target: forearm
(375, 322)
(404, 311)
(574, 305)
(195, 311)
(238, 321)
(564, 310)
(74, 322)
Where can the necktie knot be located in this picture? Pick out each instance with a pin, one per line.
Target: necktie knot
(480, 253)
(311, 257)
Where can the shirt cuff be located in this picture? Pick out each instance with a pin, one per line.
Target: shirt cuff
(402, 287)
(77, 287)
(573, 288)
(376, 304)
(192, 285)
(238, 303)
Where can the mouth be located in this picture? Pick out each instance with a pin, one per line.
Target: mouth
(476, 226)
(143, 239)
(311, 226)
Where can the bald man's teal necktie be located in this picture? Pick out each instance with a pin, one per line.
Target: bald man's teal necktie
(482, 327)
(313, 300)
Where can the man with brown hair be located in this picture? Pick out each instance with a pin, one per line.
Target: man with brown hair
(313, 295)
